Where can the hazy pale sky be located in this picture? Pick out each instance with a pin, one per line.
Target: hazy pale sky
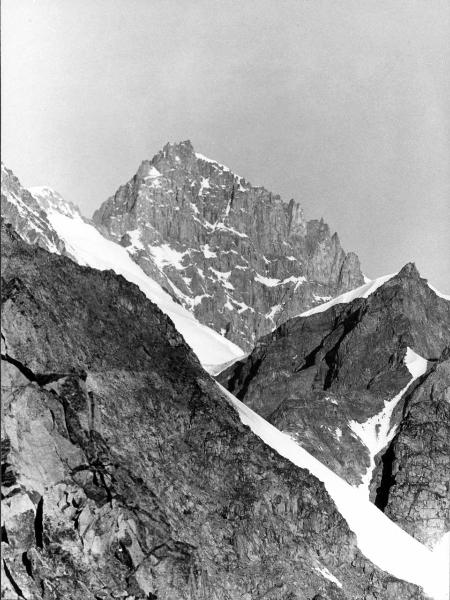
(343, 105)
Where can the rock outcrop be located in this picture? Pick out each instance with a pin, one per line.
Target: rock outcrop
(412, 482)
(318, 376)
(237, 255)
(126, 474)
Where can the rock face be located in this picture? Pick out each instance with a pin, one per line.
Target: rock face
(412, 483)
(125, 472)
(318, 377)
(24, 213)
(237, 255)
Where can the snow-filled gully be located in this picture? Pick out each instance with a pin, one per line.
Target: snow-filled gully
(377, 431)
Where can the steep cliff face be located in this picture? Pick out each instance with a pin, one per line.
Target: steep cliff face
(21, 209)
(412, 482)
(237, 255)
(127, 474)
(335, 379)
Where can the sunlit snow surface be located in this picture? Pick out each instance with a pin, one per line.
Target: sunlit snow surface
(90, 248)
(376, 432)
(378, 538)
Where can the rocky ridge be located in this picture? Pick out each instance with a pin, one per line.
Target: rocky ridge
(238, 256)
(26, 215)
(126, 474)
(321, 376)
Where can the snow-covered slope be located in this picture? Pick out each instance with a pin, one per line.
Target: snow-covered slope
(86, 244)
(378, 538)
(363, 291)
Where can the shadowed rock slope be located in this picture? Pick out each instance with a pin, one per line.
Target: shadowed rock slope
(314, 375)
(238, 256)
(125, 472)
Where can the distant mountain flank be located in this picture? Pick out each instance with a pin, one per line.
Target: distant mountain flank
(238, 256)
(27, 215)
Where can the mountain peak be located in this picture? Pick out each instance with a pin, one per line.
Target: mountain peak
(236, 255)
(409, 270)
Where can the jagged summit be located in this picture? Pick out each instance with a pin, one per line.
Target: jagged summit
(238, 256)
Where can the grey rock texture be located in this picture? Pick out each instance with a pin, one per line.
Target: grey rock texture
(412, 483)
(125, 472)
(25, 214)
(237, 255)
(314, 375)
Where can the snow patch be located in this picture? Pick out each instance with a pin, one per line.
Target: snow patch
(153, 173)
(164, 255)
(326, 573)
(135, 238)
(223, 227)
(273, 311)
(207, 252)
(204, 185)
(271, 282)
(268, 281)
(223, 277)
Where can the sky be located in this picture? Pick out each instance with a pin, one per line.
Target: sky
(344, 106)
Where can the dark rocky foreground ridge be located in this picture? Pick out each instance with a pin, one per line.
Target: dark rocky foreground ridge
(314, 375)
(238, 256)
(125, 472)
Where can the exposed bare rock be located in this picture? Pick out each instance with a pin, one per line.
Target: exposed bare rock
(237, 255)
